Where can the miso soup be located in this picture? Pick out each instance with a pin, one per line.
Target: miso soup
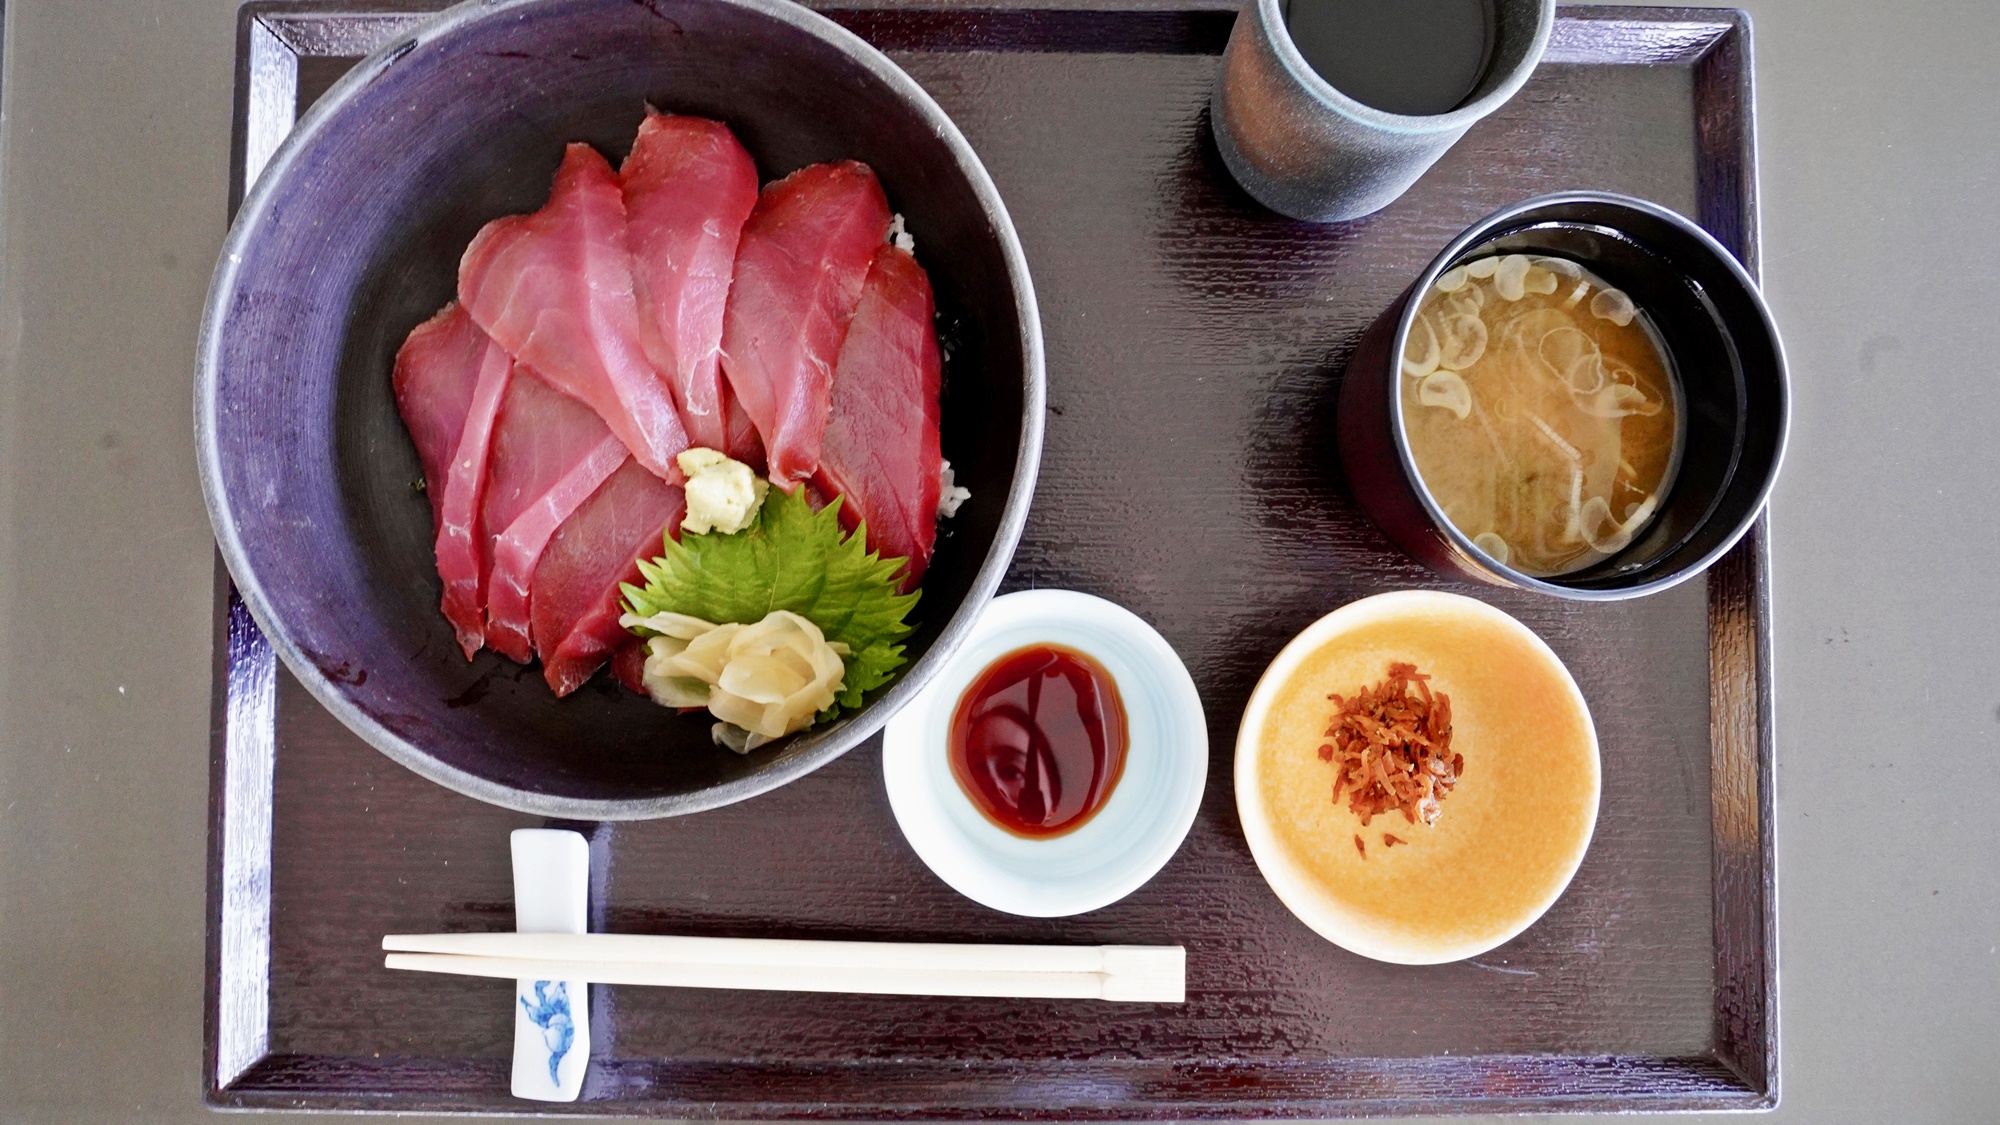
(1542, 411)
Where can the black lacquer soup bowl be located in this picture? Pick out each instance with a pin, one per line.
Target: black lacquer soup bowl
(1725, 352)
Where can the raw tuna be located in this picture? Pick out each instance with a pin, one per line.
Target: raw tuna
(805, 252)
(555, 289)
(628, 665)
(740, 433)
(688, 188)
(449, 380)
(550, 453)
(881, 445)
(577, 601)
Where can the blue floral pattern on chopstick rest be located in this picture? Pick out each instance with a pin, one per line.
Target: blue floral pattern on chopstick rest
(551, 1017)
(549, 1011)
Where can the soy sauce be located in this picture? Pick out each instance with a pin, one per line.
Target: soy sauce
(1039, 740)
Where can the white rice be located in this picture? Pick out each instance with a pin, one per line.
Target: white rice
(950, 496)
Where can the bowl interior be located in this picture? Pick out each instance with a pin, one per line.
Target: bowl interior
(1725, 355)
(355, 239)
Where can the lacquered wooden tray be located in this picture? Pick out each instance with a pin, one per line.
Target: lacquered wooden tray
(1195, 344)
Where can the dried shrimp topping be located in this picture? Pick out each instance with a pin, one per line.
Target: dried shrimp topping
(1390, 747)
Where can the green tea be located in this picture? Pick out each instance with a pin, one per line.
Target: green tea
(1417, 57)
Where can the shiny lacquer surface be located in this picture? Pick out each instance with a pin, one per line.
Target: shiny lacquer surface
(1038, 741)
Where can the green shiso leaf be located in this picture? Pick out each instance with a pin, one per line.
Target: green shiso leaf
(791, 558)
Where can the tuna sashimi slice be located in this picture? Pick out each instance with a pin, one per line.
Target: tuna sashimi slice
(449, 380)
(437, 370)
(881, 445)
(628, 665)
(577, 601)
(740, 433)
(549, 454)
(688, 186)
(555, 289)
(799, 269)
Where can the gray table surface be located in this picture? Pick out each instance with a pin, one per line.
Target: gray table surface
(1880, 131)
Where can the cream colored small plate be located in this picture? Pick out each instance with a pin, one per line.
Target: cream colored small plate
(1510, 835)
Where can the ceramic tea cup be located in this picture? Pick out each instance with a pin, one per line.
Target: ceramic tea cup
(1308, 150)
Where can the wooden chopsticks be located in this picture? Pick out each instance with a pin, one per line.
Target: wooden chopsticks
(1131, 973)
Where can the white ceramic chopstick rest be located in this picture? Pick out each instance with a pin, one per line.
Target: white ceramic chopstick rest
(551, 1017)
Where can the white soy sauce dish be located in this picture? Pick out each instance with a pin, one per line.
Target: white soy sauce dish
(1138, 827)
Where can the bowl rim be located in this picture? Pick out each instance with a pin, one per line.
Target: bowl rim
(254, 212)
(1267, 848)
(1468, 554)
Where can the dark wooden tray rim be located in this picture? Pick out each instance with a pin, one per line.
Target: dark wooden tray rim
(280, 43)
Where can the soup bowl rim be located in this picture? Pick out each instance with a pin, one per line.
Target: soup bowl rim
(1495, 226)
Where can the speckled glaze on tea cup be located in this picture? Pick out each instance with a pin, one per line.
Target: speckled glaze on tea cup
(1308, 151)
